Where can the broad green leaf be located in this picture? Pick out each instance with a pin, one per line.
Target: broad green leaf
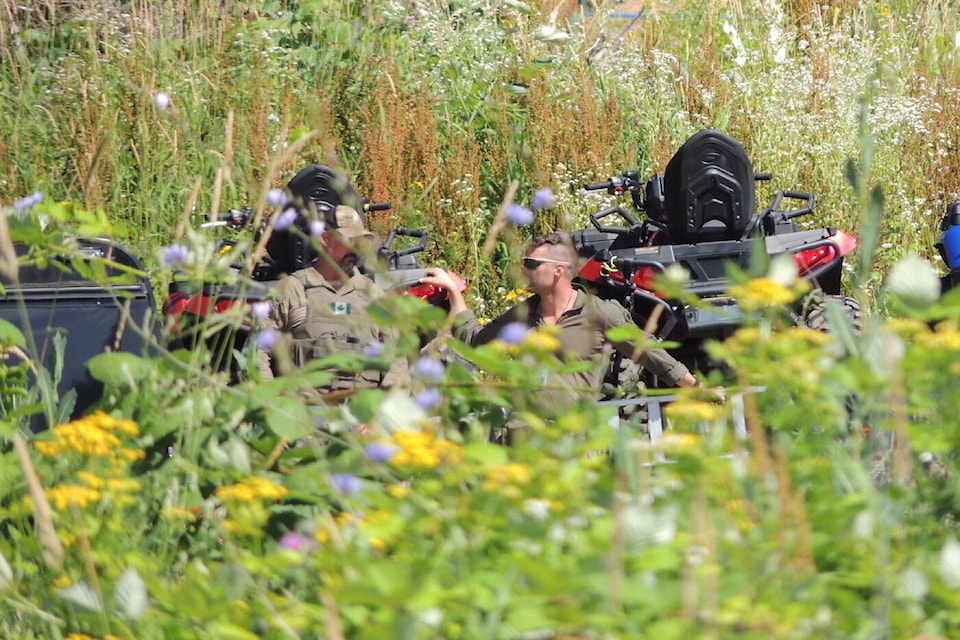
(486, 453)
(116, 369)
(228, 631)
(289, 417)
(11, 335)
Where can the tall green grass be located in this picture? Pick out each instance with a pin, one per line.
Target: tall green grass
(438, 107)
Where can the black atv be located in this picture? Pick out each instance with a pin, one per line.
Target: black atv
(700, 214)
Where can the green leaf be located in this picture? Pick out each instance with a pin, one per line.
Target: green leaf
(289, 418)
(486, 453)
(130, 594)
(228, 631)
(365, 404)
(10, 335)
(116, 369)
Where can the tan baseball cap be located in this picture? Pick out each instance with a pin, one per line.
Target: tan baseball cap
(348, 223)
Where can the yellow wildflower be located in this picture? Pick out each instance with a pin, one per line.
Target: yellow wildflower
(178, 514)
(906, 327)
(71, 495)
(808, 335)
(132, 455)
(62, 582)
(251, 489)
(423, 449)
(507, 479)
(517, 295)
(48, 448)
(942, 340)
(674, 440)
(398, 490)
(694, 410)
(79, 636)
(761, 292)
(91, 435)
(123, 485)
(92, 480)
(542, 341)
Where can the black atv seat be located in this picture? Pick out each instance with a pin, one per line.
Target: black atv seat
(709, 189)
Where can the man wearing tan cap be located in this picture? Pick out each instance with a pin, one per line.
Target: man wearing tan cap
(321, 308)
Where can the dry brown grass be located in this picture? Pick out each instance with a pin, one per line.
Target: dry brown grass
(577, 129)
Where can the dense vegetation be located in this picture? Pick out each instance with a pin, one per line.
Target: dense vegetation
(181, 509)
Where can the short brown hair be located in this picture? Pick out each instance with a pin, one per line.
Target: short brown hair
(560, 247)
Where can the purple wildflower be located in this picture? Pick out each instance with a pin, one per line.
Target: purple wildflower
(513, 333)
(518, 214)
(347, 483)
(28, 202)
(265, 339)
(174, 254)
(296, 541)
(261, 309)
(374, 349)
(161, 100)
(277, 198)
(285, 220)
(542, 198)
(380, 451)
(428, 398)
(317, 228)
(429, 369)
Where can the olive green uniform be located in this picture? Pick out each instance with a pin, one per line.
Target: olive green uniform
(322, 320)
(581, 335)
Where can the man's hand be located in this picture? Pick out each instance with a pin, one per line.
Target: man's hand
(441, 278)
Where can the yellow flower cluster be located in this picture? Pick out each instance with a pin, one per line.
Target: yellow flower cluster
(517, 295)
(250, 489)
(941, 340)
(423, 449)
(507, 479)
(761, 292)
(675, 440)
(95, 435)
(538, 341)
(694, 410)
(347, 525)
(808, 336)
(64, 496)
(178, 514)
(542, 341)
(906, 327)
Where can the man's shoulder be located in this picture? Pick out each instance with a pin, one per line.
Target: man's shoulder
(601, 304)
(364, 283)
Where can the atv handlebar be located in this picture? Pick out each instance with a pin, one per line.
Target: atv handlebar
(790, 214)
(387, 250)
(376, 206)
(635, 225)
(234, 218)
(626, 181)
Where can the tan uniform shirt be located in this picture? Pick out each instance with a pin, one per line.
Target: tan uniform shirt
(322, 320)
(582, 330)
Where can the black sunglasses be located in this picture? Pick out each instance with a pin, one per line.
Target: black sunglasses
(532, 263)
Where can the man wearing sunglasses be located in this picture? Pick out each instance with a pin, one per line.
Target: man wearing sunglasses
(549, 266)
